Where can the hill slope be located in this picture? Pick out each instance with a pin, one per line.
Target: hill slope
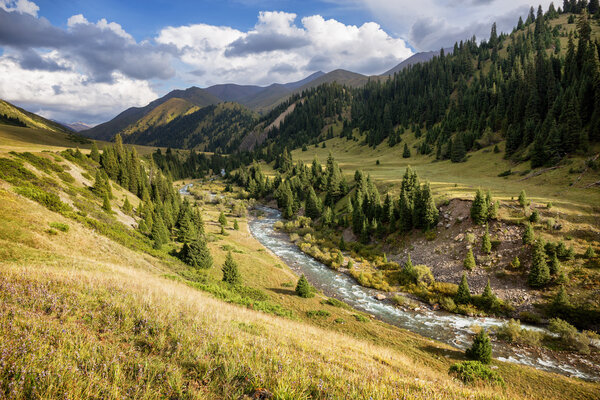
(27, 118)
(108, 130)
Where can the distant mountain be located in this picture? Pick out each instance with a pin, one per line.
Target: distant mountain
(75, 126)
(194, 95)
(160, 115)
(256, 97)
(415, 59)
(13, 115)
(340, 76)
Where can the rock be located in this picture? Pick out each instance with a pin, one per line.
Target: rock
(440, 224)
(460, 219)
(435, 307)
(380, 297)
(448, 226)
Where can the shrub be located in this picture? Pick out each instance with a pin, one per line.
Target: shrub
(360, 318)
(49, 200)
(589, 253)
(534, 217)
(469, 262)
(472, 371)
(423, 275)
(515, 263)
(334, 302)
(528, 234)
(463, 294)
(303, 288)
(481, 350)
(447, 304)
(60, 226)
(318, 313)
(231, 274)
(569, 335)
(508, 172)
(512, 332)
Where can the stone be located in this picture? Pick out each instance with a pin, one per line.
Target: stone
(380, 297)
(448, 226)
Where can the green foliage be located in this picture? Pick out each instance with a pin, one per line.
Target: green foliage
(60, 226)
(479, 208)
(523, 201)
(539, 273)
(528, 234)
(196, 254)
(515, 263)
(360, 318)
(561, 300)
(94, 153)
(554, 266)
(512, 332)
(106, 203)
(589, 253)
(318, 314)
(127, 207)
(474, 371)
(236, 225)
(406, 151)
(569, 335)
(159, 234)
(469, 262)
(481, 350)
(486, 243)
(49, 200)
(303, 288)
(488, 298)
(534, 217)
(231, 274)
(222, 219)
(463, 294)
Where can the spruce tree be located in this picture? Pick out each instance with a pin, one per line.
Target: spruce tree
(428, 213)
(539, 274)
(127, 207)
(106, 203)
(561, 301)
(406, 152)
(481, 350)
(94, 153)
(486, 243)
(231, 274)
(523, 199)
(159, 232)
(554, 265)
(487, 297)
(479, 211)
(303, 288)
(409, 270)
(463, 294)
(589, 253)
(528, 234)
(187, 230)
(469, 262)
(236, 226)
(196, 254)
(222, 219)
(312, 206)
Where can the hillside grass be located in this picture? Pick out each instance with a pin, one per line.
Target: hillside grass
(84, 316)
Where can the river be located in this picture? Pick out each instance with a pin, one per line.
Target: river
(452, 329)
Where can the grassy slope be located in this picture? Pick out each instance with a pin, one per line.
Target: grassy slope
(30, 119)
(83, 316)
(161, 115)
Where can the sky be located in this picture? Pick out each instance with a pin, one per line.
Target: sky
(88, 60)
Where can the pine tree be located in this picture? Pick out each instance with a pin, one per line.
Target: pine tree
(196, 254)
(528, 234)
(479, 211)
(539, 274)
(187, 230)
(488, 298)
(231, 274)
(428, 213)
(236, 226)
(486, 243)
(313, 206)
(159, 232)
(127, 207)
(406, 152)
(554, 265)
(463, 294)
(523, 199)
(589, 253)
(327, 217)
(106, 203)
(469, 262)
(481, 350)
(561, 301)
(409, 270)
(222, 219)
(534, 217)
(94, 153)
(303, 288)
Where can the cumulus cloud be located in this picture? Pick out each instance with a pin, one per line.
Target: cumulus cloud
(433, 24)
(20, 6)
(99, 49)
(277, 49)
(67, 96)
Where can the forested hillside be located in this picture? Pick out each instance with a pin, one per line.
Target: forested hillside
(538, 88)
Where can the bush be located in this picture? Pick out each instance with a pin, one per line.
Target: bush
(447, 304)
(360, 318)
(60, 226)
(318, 313)
(481, 350)
(569, 335)
(472, 371)
(334, 302)
(423, 275)
(513, 333)
(49, 200)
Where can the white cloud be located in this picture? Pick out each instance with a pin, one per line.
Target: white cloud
(20, 6)
(69, 96)
(279, 50)
(432, 24)
(103, 24)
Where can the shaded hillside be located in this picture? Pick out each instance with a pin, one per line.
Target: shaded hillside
(212, 128)
(108, 130)
(161, 115)
(415, 59)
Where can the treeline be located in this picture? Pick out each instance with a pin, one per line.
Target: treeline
(317, 191)
(521, 87)
(530, 95)
(7, 120)
(215, 128)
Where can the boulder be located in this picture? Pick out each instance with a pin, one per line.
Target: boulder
(380, 297)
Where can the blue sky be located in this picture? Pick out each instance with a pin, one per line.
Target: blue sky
(89, 60)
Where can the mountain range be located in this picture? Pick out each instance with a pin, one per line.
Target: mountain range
(133, 122)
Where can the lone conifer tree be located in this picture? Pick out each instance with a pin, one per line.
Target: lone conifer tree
(481, 350)
(236, 226)
(469, 262)
(589, 253)
(523, 202)
(479, 209)
(554, 264)
(406, 152)
(303, 288)
(463, 294)
(106, 203)
(196, 254)
(528, 234)
(127, 207)
(539, 274)
(487, 297)
(159, 233)
(486, 243)
(94, 153)
(231, 274)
